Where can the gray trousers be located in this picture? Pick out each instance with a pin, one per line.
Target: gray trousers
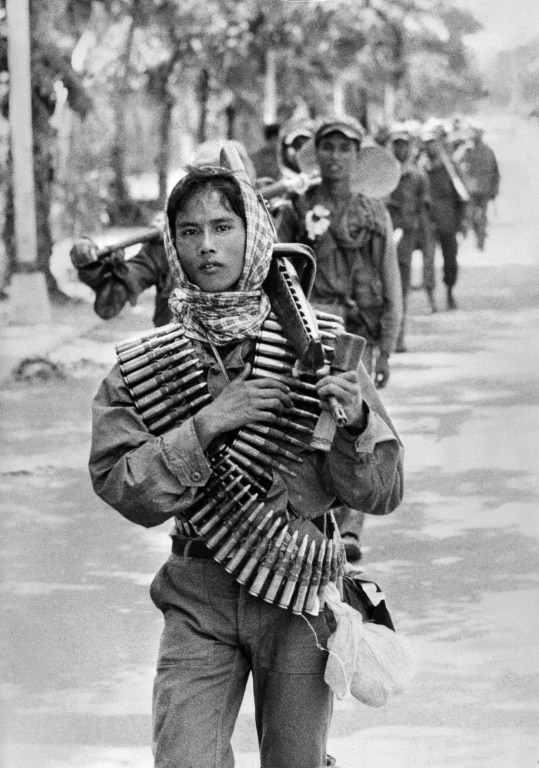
(215, 635)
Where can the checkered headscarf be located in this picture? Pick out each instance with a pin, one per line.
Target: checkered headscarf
(226, 316)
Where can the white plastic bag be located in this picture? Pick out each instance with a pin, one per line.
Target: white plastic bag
(368, 660)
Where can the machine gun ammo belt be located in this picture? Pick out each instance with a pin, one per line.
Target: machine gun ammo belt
(278, 556)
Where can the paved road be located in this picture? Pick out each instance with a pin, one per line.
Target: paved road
(458, 560)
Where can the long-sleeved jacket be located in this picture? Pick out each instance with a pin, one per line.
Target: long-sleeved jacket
(447, 209)
(149, 479)
(410, 199)
(479, 169)
(356, 261)
(117, 281)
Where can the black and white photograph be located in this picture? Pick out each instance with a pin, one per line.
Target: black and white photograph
(269, 383)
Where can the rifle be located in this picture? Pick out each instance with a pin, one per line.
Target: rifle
(458, 184)
(288, 298)
(85, 251)
(376, 173)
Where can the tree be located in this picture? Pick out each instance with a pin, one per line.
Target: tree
(414, 62)
(213, 57)
(443, 77)
(514, 80)
(50, 64)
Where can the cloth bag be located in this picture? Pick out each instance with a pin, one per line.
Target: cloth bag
(368, 660)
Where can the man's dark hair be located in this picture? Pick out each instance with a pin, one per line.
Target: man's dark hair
(199, 179)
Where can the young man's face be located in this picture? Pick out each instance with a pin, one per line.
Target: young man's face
(336, 155)
(210, 241)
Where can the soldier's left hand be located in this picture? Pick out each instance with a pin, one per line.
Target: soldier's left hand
(381, 372)
(345, 387)
(83, 252)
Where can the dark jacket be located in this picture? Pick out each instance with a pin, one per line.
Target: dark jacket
(117, 281)
(410, 199)
(356, 264)
(479, 170)
(447, 209)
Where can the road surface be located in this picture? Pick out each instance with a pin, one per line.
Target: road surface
(458, 560)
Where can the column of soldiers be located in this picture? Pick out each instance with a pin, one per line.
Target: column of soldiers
(363, 245)
(449, 176)
(160, 452)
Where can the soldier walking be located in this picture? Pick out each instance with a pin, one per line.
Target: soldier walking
(478, 167)
(407, 205)
(447, 206)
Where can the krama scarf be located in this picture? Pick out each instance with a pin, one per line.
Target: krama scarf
(227, 316)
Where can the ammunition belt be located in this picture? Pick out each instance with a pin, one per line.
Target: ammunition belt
(281, 558)
(163, 373)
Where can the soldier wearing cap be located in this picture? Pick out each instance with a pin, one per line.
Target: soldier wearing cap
(407, 205)
(478, 167)
(352, 236)
(293, 136)
(448, 209)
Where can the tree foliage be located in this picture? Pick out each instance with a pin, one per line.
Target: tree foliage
(514, 78)
(164, 73)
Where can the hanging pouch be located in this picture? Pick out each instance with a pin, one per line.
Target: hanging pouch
(368, 660)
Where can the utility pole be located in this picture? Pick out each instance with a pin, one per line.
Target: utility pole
(270, 87)
(28, 291)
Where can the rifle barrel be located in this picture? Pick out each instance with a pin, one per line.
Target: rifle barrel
(143, 236)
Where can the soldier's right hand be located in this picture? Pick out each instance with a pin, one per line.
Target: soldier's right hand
(243, 401)
(83, 252)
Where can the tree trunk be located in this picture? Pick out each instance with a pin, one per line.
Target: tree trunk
(270, 87)
(231, 114)
(43, 137)
(120, 208)
(159, 88)
(204, 95)
(163, 152)
(389, 103)
(339, 95)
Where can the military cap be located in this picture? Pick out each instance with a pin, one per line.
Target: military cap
(292, 131)
(345, 124)
(399, 132)
(433, 129)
